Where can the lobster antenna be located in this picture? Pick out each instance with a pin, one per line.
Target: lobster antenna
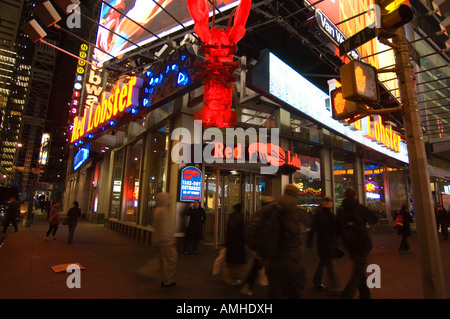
(214, 14)
(231, 17)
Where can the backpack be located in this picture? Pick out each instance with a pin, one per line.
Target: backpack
(265, 233)
(398, 221)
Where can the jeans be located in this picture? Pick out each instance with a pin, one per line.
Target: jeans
(404, 246)
(285, 283)
(325, 263)
(72, 227)
(358, 279)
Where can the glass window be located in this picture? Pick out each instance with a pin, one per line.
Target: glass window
(117, 184)
(304, 129)
(398, 190)
(374, 188)
(308, 178)
(343, 170)
(131, 181)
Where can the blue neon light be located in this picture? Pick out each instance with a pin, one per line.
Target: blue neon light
(80, 157)
(145, 102)
(182, 79)
(183, 57)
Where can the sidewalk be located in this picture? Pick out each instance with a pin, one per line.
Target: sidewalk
(116, 268)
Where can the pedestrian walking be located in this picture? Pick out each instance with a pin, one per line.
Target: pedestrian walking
(164, 239)
(194, 231)
(286, 269)
(12, 212)
(257, 265)
(53, 220)
(235, 244)
(442, 220)
(405, 230)
(352, 220)
(324, 227)
(72, 220)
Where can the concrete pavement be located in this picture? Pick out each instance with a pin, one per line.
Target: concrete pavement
(119, 268)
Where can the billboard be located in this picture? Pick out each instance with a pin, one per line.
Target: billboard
(340, 10)
(158, 18)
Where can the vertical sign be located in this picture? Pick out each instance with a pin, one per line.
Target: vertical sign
(190, 184)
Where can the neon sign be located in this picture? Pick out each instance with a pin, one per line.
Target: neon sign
(113, 105)
(80, 157)
(219, 46)
(372, 189)
(190, 184)
(267, 152)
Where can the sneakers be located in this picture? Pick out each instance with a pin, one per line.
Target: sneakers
(172, 284)
(321, 287)
(235, 282)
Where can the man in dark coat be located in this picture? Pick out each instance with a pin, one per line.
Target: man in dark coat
(442, 220)
(194, 231)
(72, 220)
(12, 213)
(324, 225)
(352, 219)
(286, 271)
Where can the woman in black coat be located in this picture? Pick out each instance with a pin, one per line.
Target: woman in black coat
(405, 230)
(194, 231)
(235, 243)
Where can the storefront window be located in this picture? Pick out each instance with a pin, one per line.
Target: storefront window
(304, 129)
(343, 170)
(374, 187)
(131, 181)
(117, 183)
(398, 191)
(156, 168)
(308, 178)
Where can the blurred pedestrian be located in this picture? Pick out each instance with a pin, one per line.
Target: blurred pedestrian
(72, 220)
(235, 244)
(164, 239)
(194, 231)
(286, 270)
(12, 213)
(442, 220)
(53, 220)
(352, 219)
(324, 225)
(405, 230)
(257, 264)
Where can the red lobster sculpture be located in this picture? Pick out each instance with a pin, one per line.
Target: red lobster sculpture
(219, 46)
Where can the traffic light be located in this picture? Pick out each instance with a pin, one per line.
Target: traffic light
(442, 8)
(342, 108)
(394, 13)
(359, 82)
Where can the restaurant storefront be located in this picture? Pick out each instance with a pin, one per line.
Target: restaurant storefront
(143, 152)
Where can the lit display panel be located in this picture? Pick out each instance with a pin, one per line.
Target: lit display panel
(290, 87)
(161, 17)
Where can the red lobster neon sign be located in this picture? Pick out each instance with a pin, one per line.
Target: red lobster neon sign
(219, 46)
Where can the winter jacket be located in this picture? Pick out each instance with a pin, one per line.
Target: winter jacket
(324, 226)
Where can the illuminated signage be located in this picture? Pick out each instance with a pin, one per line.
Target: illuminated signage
(359, 82)
(145, 15)
(372, 190)
(278, 80)
(377, 53)
(342, 108)
(113, 105)
(190, 184)
(43, 153)
(80, 157)
(93, 87)
(273, 154)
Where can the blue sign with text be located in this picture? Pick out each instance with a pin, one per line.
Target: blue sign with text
(190, 184)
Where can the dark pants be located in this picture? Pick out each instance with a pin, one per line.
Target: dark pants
(251, 276)
(193, 243)
(328, 264)
(72, 227)
(358, 279)
(285, 283)
(10, 220)
(53, 228)
(404, 245)
(444, 230)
